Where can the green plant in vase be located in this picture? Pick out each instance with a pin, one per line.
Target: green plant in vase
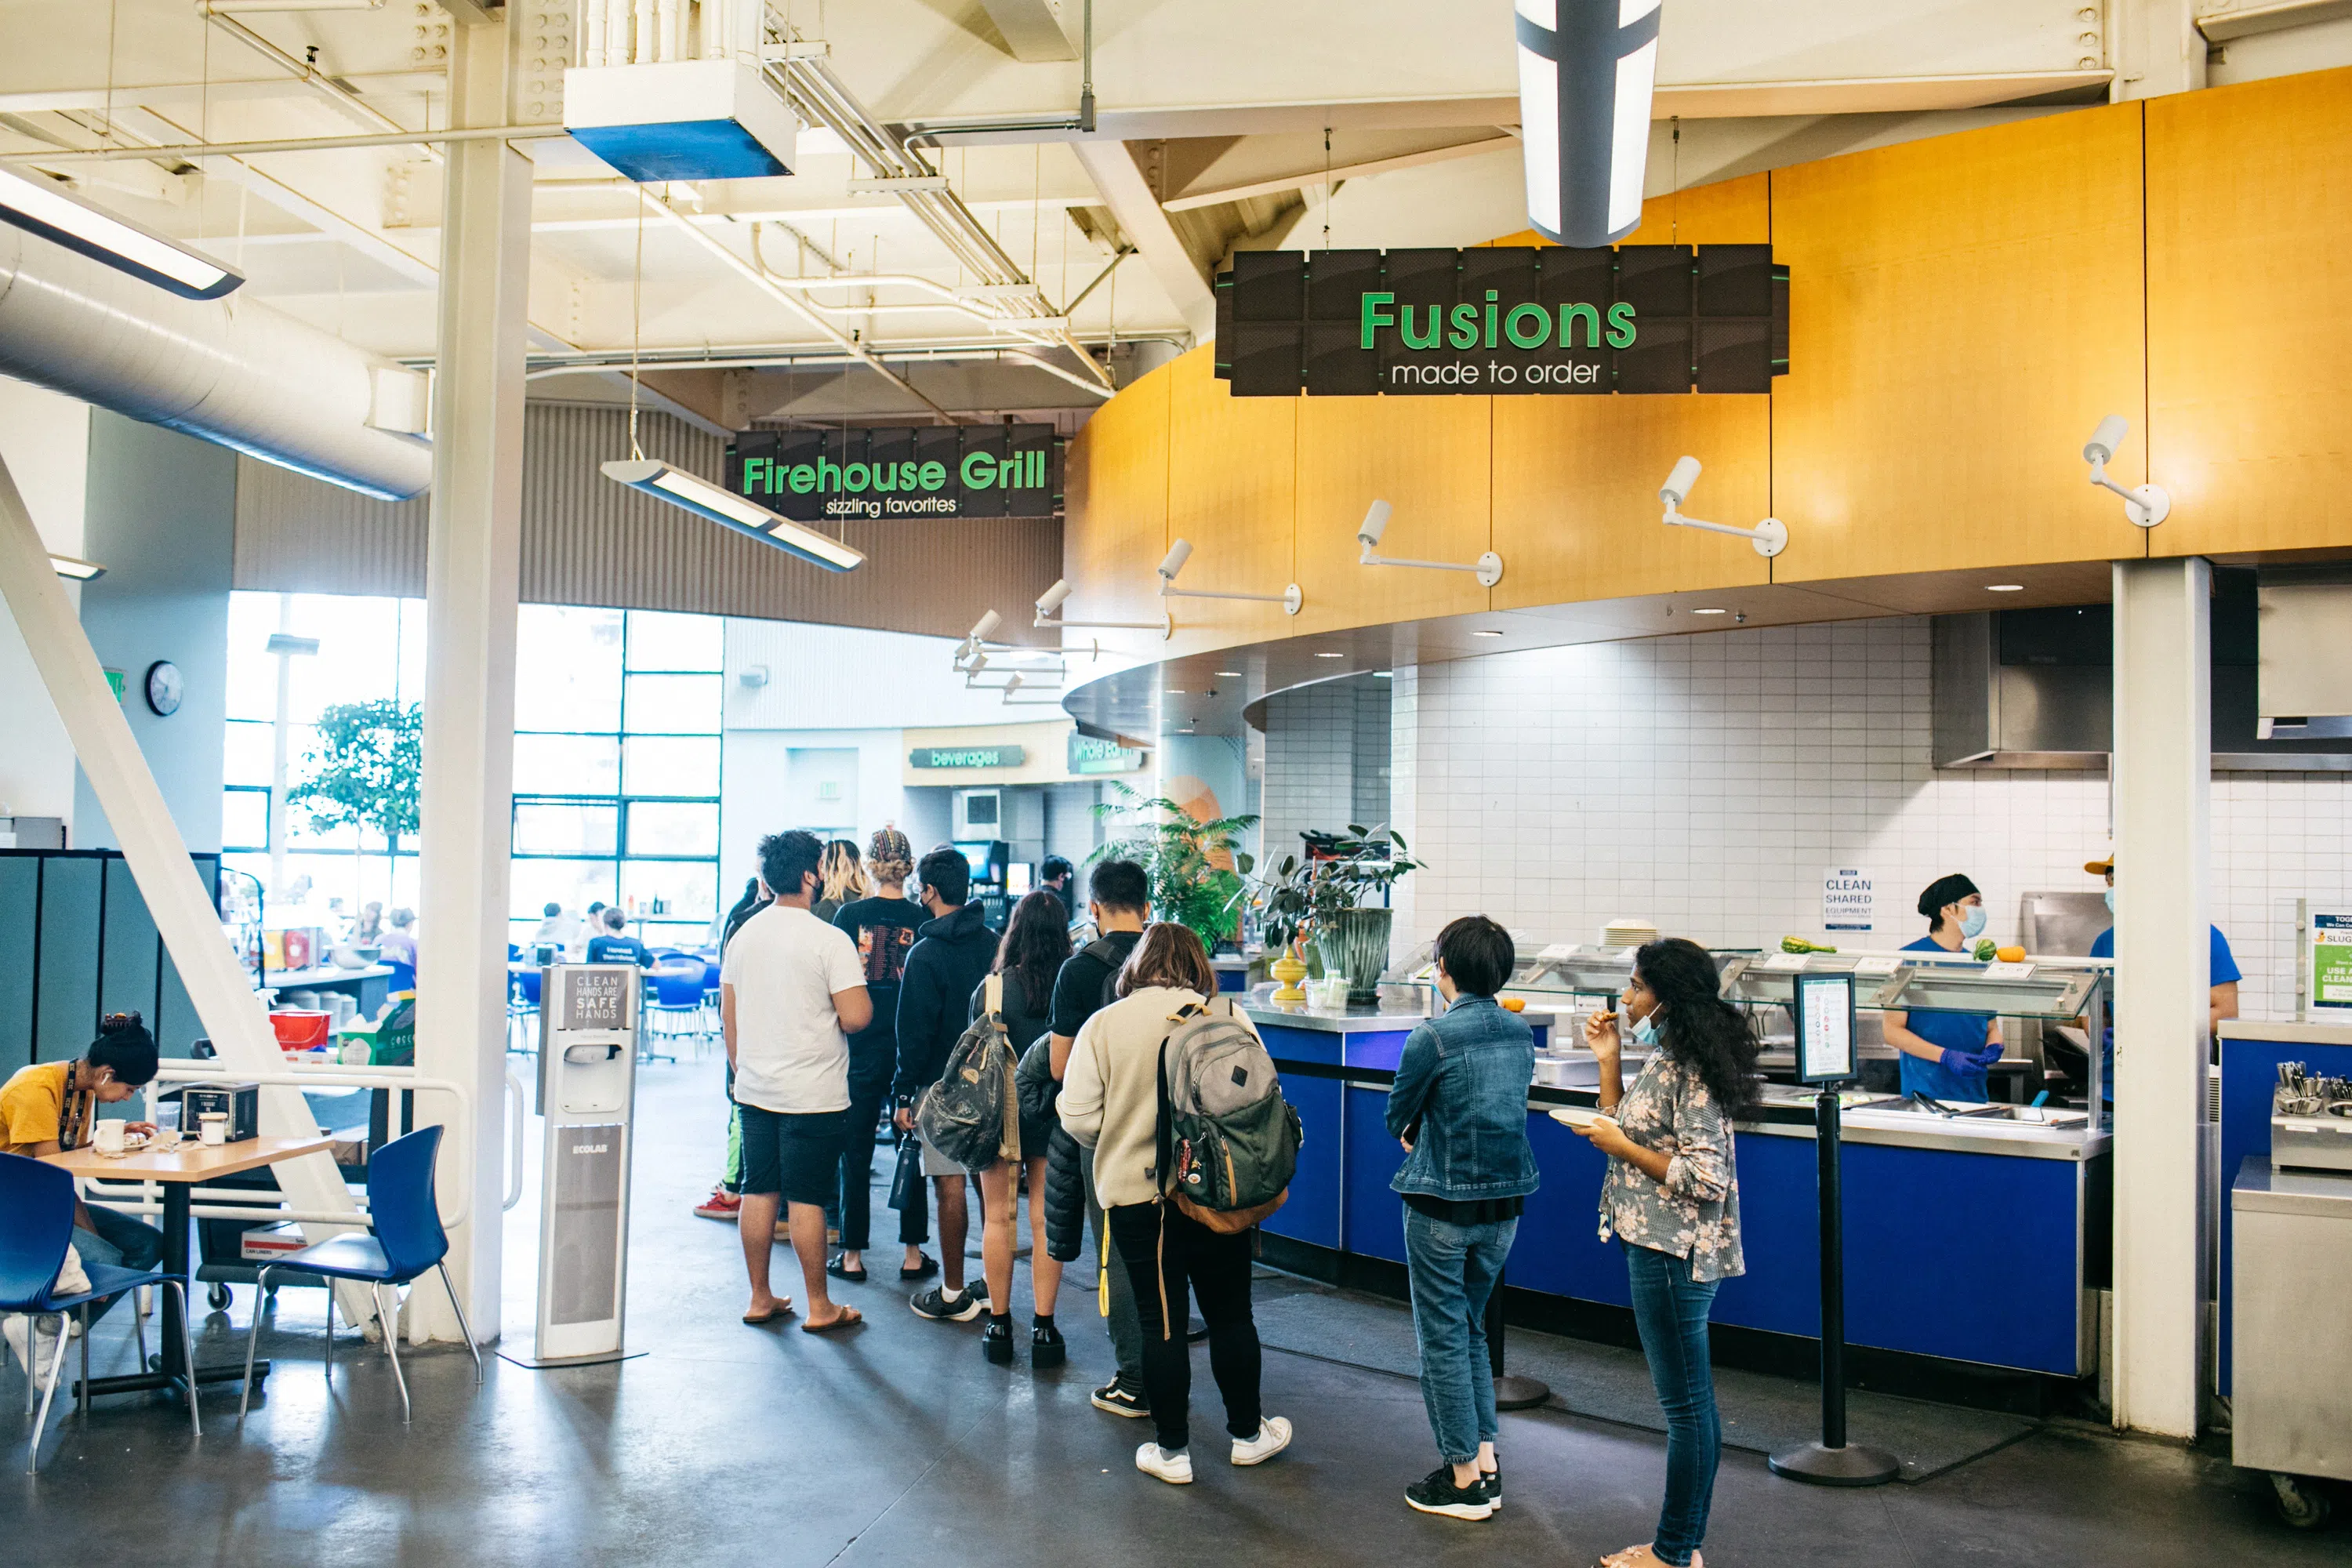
(1180, 854)
(1283, 899)
(1362, 866)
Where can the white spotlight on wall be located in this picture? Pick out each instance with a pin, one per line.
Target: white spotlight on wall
(1771, 536)
(1290, 598)
(1051, 600)
(1586, 70)
(1488, 566)
(740, 513)
(2146, 505)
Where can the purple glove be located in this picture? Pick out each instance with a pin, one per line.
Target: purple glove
(1971, 1063)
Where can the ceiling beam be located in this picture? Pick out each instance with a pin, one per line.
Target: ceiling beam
(1297, 180)
(2221, 27)
(1139, 213)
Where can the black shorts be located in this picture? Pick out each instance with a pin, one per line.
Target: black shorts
(796, 1156)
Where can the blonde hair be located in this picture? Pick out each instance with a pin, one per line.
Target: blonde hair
(892, 857)
(841, 877)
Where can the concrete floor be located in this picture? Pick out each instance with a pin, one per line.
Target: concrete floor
(899, 1444)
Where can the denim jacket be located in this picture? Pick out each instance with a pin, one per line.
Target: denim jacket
(1464, 1077)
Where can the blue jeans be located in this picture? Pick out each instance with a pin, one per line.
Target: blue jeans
(118, 1242)
(1453, 1269)
(1670, 1309)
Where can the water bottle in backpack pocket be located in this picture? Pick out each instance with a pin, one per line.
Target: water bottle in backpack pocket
(1228, 1141)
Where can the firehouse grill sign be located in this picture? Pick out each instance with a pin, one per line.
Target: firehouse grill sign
(1504, 321)
(947, 471)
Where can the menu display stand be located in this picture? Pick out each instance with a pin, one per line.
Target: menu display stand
(1825, 1058)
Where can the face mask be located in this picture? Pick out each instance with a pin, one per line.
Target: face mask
(1645, 1030)
(2110, 896)
(1972, 921)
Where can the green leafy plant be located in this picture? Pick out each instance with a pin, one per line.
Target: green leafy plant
(1178, 855)
(1283, 898)
(366, 769)
(1363, 863)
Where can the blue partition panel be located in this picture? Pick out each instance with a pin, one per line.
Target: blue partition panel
(1312, 1215)
(66, 1016)
(20, 878)
(2249, 1073)
(1375, 1218)
(130, 952)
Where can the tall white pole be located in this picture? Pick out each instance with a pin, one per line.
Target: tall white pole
(472, 558)
(2162, 788)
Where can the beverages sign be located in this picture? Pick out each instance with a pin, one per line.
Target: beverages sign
(943, 470)
(967, 756)
(1503, 319)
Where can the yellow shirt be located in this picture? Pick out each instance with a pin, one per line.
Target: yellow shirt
(33, 1106)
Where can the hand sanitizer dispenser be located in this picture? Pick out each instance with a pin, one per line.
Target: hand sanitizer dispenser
(587, 1086)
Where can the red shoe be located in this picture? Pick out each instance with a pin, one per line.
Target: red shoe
(720, 1205)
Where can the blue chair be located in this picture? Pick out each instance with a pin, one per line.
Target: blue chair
(402, 978)
(675, 1009)
(36, 1210)
(408, 1239)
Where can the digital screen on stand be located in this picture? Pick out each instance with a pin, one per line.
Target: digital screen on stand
(1825, 1050)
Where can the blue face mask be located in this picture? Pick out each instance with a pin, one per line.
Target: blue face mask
(1972, 921)
(1645, 1030)
(2111, 900)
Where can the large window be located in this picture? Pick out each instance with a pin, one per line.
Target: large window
(616, 757)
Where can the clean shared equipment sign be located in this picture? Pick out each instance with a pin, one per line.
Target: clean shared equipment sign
(1506, 320)
(944, 470)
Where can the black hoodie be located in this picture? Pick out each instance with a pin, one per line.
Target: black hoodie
(951, 954)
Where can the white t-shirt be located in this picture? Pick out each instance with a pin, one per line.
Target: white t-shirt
(791, 1056)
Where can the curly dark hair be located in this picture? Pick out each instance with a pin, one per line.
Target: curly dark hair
(1037, 941)
(1695, 1026)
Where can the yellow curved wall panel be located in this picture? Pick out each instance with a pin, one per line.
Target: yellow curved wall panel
(1231, 483)
(1426, 456)
(1963, 312)
(1115, 496)
(2250, 314)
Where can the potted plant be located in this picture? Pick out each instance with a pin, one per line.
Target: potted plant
(1180, 854)
(1351, 929)
(1284, 901)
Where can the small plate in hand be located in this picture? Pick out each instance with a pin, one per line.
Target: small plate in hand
(1578, 1116)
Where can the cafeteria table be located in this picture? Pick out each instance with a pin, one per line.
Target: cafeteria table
(178, 1171)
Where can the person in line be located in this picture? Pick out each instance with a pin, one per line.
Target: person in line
(592, 924)
(399, 944)
(614, 944)
(1671, 1198)
(843, 879)
(556, 928)
(1111, 1100)
(50, 1107)
(725, 1200)
(790, 993)
(1118, 895)
(2222, 976)
(883, 927)
(952, 951)
(1947, 1056)
(1037, 944)
(1459, 1105)
(368, 927)
(1053, 877)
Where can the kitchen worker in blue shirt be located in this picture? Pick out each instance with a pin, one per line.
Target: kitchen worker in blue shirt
(2221, 998)
(1945, 1054)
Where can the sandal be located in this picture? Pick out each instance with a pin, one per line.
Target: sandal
(854, 1276)
(850, 1318)
(923, 1270)
(781, 1309)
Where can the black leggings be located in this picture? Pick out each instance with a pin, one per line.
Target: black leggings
(855, 1200)
(1217, 1268)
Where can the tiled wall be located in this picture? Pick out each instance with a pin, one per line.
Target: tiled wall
(1706, 783)
(1327, 761)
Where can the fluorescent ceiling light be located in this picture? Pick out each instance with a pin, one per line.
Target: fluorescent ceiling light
(1486, 634)
(79, 571)
(1229, 674)
(1330, 656)
(39, 205)
(1587, 71)
(286, 642)
(2004, 587)
(740, 513)
(1711, 612)
(1178, 691)
(1384, 675)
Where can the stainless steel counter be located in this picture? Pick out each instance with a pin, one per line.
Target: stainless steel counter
(1399, 1007)
(2292, 1273)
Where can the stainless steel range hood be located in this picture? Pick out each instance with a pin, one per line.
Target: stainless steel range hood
(2035, 689)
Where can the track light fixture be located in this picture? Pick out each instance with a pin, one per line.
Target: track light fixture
(2146, 505)
(1771, 536)
(1489, 566)
(1051, 600)
(1290, 598)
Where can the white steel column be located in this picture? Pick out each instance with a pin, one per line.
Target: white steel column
(2163, 787)
(472, 559)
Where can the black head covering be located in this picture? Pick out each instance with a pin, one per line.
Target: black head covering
(1944, 890)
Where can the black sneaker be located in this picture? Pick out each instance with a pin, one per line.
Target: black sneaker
(1046, 1347)
(1436, 1493)
(937, 1304)
(1491, 1483)
(1121, 1398)
(923, 1270)
(996, 1338)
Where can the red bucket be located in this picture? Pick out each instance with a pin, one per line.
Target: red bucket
(300, 1031)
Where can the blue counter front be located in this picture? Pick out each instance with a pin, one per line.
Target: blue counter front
(2252, 1051)
(1966, 1245)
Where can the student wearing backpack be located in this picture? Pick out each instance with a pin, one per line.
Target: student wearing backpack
(1112, 1101)
(1037, 944)
(951, 954)
(1118, 896)
(1459, 1105)
(883, 925)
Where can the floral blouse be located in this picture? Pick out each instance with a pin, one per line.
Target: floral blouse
(1695, 1213)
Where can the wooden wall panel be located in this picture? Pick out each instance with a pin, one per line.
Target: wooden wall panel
(1427, 457)
(1114, 498)
(2250, 314)
(1964, 310)
(1232, 492)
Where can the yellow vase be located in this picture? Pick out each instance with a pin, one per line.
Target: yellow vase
(1289, 970)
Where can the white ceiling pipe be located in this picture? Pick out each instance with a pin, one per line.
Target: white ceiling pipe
(246, 377)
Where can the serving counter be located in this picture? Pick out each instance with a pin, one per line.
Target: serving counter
(1971, 1234)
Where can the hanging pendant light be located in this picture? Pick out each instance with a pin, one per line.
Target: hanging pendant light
(1586, 71)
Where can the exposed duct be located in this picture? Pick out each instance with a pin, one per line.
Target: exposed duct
(230, 371)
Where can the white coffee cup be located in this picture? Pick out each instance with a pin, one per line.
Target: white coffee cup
(106, 1137)
(214, 1128)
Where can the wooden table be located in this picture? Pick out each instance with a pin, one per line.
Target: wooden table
(190, 1164)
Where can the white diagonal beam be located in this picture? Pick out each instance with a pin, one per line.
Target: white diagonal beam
(1138, 212)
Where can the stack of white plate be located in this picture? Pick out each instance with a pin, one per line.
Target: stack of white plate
(1622, 933)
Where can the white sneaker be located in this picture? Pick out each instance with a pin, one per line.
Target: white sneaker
(1273, 1437)
(1175, 1469)
(34, 1361)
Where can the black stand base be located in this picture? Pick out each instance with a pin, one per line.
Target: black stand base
(1515, 1392)
(1846, 1467)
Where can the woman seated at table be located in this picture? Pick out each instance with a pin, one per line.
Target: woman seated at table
(50, 1107)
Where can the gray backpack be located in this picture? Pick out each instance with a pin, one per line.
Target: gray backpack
(1228, 1141)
